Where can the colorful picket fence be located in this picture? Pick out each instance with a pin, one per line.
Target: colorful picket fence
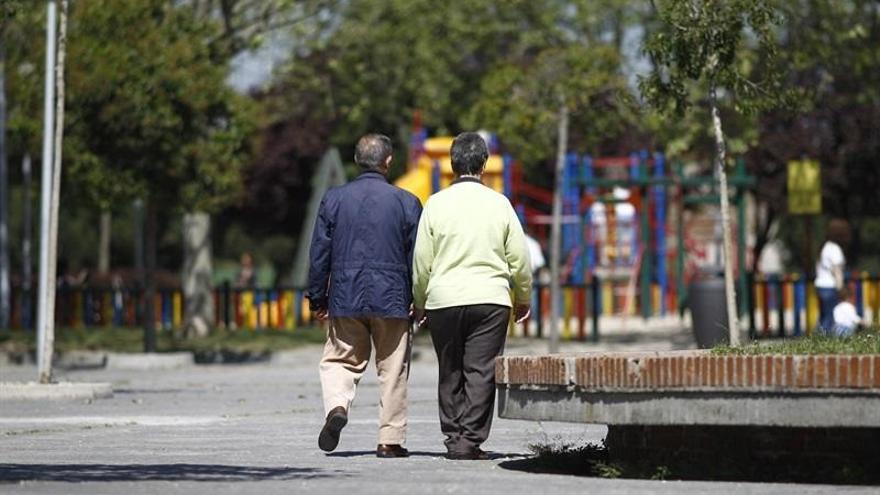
(776, 306)
(248, 309)
(787, 306)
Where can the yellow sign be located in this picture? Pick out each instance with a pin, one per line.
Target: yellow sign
(804, 188)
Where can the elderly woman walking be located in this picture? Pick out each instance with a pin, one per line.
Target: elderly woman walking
(470, 251)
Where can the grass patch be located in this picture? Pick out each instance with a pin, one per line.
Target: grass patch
(866, 342)
(127, 339)
(586, 459)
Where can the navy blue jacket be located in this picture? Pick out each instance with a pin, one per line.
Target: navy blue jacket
(362, 249)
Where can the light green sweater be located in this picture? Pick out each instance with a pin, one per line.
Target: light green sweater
(470, 249)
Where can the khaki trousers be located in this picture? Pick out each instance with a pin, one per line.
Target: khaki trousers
(345, 359)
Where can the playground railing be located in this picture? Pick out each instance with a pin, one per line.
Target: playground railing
(776, 306)
(787, 305)
(234, 308)
(580, 309)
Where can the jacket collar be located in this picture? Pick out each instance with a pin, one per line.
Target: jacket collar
(371, 174)
(459, 180)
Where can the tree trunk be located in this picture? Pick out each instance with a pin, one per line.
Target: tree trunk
(150, 278)
(4, 200)
(137, 210)
(26, 233)
(556, 230)
(197, 274)
(104, 243)
(729, 289)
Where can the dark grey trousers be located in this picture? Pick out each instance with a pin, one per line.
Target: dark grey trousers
(467, 340)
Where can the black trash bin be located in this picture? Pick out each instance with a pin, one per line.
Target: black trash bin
(708, 309)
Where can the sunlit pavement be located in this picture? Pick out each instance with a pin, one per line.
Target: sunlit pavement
(253, 429)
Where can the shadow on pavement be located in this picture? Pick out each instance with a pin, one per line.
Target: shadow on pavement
(493, 456)
(154, 472)
(372, 453)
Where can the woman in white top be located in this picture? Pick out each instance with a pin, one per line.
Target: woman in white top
(829, 272)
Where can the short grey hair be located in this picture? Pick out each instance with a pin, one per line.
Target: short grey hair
(372, 150)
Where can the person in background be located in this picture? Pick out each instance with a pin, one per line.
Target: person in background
(247, 276)
(538, 264)
(360, 277)
(470, 251)
(536, 254)
(829, 272)
(846, 319)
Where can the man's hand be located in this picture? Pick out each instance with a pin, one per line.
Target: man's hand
(320, 314)
(521, 312)
(419, 316)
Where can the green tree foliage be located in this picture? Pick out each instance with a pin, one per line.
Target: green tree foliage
(150, 114)
(23, 38)
(707, 43)
(520, 101)
(829, 51)
(383, 61)
(245, 23)
(830, 48)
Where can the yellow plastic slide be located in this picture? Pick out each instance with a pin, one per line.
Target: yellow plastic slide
(418, 179)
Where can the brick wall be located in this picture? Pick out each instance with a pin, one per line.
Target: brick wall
(692, 370)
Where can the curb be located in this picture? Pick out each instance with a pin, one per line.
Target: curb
(54, 391)
(80, 360)
(144, 361)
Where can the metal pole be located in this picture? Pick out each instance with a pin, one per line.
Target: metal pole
(680, 247)
(556, 230)
(647, 248)
(47, 280)
(56, 186)
(741, 238)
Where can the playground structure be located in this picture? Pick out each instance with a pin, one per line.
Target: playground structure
(623, 220)
(630, 247)
(430, 168)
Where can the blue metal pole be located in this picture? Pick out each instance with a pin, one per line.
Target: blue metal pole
(570, 237)
(435, 176)
(507, 175)
(799, 297)
(586, 177)
(521, 213)
(633, 166)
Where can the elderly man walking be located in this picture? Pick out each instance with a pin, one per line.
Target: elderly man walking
(360, 277)
(470, 251)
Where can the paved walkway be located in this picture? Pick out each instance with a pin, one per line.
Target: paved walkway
(253, 428)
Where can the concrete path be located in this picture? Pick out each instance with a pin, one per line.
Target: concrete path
(253, 429)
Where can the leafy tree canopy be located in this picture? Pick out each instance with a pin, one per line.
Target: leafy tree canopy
(148, 111)
(521, 101)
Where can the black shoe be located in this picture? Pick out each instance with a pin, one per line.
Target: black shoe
(337, 418)
(387, 451)
(477, 454)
